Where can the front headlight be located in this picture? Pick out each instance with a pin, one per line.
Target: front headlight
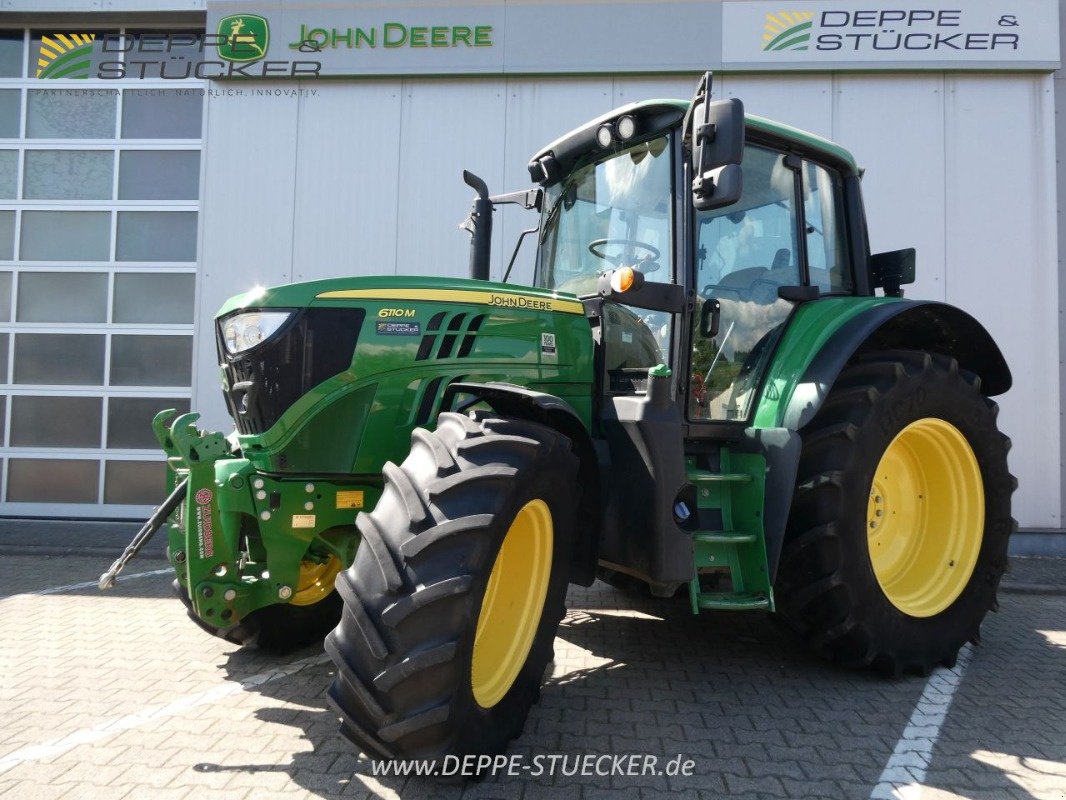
(244, 331)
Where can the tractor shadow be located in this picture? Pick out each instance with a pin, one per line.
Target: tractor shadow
(732, 692)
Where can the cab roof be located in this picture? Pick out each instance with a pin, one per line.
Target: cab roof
(662, 114)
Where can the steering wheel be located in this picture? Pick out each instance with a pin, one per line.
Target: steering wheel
(595, 244)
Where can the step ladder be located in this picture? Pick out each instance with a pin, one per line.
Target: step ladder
(737, 492)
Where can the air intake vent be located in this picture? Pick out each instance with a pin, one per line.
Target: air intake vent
(431, 396)
(468, 340)
(454, 333)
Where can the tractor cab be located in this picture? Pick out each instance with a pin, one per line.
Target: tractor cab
(740, 246)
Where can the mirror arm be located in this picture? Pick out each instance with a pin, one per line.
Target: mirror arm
(667, 297)
(529, 199)
(703, 91)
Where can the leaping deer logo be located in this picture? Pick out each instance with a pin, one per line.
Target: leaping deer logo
(243, 37)
(237, 39)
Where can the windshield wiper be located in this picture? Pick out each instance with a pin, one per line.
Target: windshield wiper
(553, 214)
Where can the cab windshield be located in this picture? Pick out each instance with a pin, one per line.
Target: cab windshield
(614, 213)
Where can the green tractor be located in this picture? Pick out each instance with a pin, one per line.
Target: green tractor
(702, 393)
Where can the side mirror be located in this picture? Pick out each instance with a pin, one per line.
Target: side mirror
(717, 150)
(892, 270)
(717, 142)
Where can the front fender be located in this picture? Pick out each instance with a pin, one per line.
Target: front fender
(554, 412)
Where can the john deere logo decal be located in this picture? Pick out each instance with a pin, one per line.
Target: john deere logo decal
(243, 37)
(787, 30)
(65, 55)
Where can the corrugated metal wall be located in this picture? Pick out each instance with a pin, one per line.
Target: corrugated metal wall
(363, 177)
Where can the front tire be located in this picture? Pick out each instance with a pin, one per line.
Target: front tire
(898, 534)
(458, 587)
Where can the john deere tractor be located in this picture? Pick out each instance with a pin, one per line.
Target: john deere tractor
(712, 388)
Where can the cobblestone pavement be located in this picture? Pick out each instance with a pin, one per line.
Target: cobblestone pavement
(118, 695)
(1036, 575)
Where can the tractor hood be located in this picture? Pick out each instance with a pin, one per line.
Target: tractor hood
(328, 377)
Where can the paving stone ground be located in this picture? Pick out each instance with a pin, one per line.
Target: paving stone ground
(119, 695)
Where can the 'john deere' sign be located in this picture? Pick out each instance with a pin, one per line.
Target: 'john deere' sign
(393, 34)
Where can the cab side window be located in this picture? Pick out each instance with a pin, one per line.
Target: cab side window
(823, 211)
(747, 250)
(744, 253)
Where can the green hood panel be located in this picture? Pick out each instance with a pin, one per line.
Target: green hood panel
(418, 336)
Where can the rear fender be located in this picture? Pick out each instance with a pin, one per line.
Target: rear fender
(910, 325)
(904, 324)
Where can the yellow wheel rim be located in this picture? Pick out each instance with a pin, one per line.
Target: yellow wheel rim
(514, 599)
(926, 517)
(315, 581)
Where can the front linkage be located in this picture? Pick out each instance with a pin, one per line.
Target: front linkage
(242, 542)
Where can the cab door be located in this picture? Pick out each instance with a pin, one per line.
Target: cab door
(786, 230)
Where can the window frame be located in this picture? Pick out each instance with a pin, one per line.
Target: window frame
(844, 226)
(851, 209)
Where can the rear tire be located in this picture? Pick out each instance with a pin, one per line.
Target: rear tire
(411, 670)
(836, 588)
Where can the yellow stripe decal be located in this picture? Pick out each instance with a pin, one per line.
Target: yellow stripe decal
(478, 296)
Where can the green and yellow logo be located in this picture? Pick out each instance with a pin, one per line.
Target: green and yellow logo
(787, 30)
(243, 37)
(65, 55)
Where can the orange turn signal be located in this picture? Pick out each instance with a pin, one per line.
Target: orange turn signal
(622, 279)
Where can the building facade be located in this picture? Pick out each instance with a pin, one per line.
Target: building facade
(131, 206)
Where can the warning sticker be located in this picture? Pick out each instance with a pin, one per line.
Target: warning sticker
(399, 329)
(547, 344)
(303, 520)
(350, 499)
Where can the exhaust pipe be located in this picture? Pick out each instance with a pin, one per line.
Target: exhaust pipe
(479, 224)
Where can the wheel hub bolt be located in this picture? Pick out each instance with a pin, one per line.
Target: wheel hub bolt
(285, 592)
